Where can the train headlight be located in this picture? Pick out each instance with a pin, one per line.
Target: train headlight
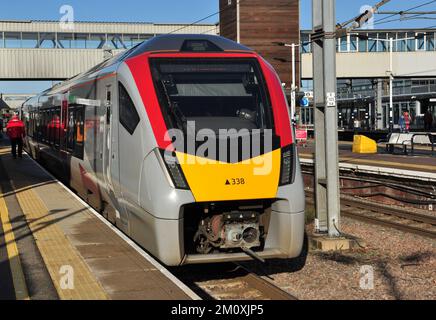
(174, 170)
(287, 169)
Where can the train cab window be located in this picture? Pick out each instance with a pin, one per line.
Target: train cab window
(214, 93)
(129, 117)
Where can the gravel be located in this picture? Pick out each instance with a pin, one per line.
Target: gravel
(403, 264)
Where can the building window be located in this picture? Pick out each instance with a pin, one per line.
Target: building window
(363, 42)
(354, 43)
(30, 40)
(402, 42)
(129, 117)
(47, 40)
(383, 43)
(305, 45)
(372, 42)
(411, 42)
(430, 42)
(342, 44)
(80, 41)
(12, 40)
(65, 40)
(420, 42)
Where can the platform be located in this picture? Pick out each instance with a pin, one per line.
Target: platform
(420, 167)
(53, 246)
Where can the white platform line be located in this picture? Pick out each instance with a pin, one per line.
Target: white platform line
(131, 243)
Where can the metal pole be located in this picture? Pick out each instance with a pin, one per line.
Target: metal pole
(391, 103)
(293, 86)
(331, 127)
(321, 223)
(238, 22)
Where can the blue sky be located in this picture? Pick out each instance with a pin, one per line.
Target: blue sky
(176, 11)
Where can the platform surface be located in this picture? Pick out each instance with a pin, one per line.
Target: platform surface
(53, 246)
(421, 162)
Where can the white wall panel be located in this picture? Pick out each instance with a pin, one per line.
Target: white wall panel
(376, 64)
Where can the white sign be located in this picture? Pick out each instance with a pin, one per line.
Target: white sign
(331, 99)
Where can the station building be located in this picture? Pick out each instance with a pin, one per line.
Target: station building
(363, 63)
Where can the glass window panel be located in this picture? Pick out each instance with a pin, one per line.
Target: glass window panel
(372, 42)
(430, 42)
(343, 44)
(65, 40)
(410, 42)
(47, 40)
(401, 42)
(383, 45)
(129, 117)
(1, 40)
(114, 41)
(30, 40)
(96, 41)
(353, 43)
(80, 41)
(12, 40)
(305, 47)
(420, 41)
(363, 43)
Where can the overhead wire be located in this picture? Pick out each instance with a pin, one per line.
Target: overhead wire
(408, 10)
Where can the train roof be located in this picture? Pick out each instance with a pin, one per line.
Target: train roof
(188, 43)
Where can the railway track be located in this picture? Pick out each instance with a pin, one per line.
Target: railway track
(229, 281)
(407, 221)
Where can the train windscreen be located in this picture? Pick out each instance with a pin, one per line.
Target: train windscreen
(212, 93)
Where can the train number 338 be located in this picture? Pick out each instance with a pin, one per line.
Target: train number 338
(235, 181)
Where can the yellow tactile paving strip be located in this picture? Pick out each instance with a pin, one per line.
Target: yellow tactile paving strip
(58, 254)
(21, 292)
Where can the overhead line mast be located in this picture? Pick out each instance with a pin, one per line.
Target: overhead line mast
(325, 33)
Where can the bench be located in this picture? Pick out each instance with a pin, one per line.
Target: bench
(410, 139)
(426, 139)
(398, 139)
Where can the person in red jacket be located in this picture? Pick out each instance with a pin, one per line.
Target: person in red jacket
(16, 132)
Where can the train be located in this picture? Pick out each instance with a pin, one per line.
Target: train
(136, 138)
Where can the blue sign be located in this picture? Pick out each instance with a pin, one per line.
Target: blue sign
(304, 102)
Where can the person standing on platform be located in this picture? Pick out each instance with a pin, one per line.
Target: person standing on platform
(428, 121)
(407, 121)
(402, 123)
(16, 132)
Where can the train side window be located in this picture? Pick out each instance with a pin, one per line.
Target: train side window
(57, 127)
(71, 130)
(129, 117)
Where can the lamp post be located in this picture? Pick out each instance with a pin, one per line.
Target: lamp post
(391, 82)
(293, 79)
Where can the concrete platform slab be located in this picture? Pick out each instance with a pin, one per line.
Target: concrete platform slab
(70, 236)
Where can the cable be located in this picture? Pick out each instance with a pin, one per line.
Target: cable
(416, 7)
(207, 17)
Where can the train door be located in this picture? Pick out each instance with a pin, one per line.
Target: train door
(107, 140)
(111, 166)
